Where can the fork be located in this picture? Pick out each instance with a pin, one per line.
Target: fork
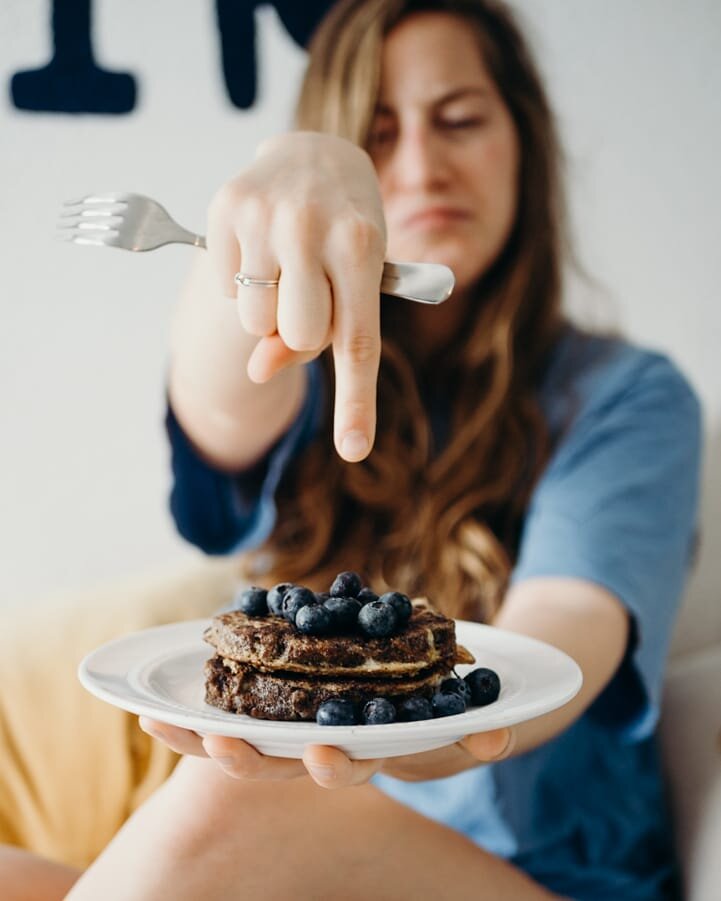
(136, 222)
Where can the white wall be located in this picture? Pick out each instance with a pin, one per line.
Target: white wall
(83, 481)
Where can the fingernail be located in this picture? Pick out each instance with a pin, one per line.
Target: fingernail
(507, 746)
(322, 773)
(354, 444)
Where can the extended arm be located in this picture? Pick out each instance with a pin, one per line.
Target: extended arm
(307, 212)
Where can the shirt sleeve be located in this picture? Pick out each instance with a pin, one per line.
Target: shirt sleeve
(224, 512)
(617, 505)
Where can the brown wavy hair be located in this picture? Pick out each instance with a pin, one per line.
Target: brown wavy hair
(442, 522)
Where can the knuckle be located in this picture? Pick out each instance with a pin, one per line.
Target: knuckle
(357, 239)
(299, 225)
(253, 211)
(362, 348)
(220, 202)
(297, 216)
(225, 201)
(242, 209)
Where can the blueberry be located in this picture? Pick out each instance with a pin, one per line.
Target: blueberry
(377, 711)
(313, 619)
(252, 601)
(294, 599)
(415, 709)
(343, 613)
(346, 585)
(485, 686)
(401, 603)
(336, 712)
(378, 620)
(365, 596)
(456, 686)
(448, 704)
(275, 597)
(322, 596)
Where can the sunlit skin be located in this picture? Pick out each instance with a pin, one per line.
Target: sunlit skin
(446, 152)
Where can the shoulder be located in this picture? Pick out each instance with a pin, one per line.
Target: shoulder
(596, 377)
(626, 437)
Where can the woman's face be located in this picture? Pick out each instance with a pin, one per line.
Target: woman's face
(445, 148)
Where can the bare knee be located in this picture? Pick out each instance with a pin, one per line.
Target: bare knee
(29, 877)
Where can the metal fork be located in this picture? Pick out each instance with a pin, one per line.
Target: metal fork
(136, 222)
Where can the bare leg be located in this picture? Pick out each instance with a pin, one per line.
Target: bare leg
(204, 834)
(28, 877)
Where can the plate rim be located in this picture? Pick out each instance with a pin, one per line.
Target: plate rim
(292, 733)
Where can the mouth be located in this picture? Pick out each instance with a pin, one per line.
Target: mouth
(436, 217)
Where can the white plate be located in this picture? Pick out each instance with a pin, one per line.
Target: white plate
(158, 673)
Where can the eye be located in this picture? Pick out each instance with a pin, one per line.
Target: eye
(380, 137)
(466, 122)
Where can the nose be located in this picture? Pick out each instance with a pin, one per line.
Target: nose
(418, 160)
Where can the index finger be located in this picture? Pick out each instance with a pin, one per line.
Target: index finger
(329, 767)
(356, 357)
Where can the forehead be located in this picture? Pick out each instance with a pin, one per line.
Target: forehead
(427, 54)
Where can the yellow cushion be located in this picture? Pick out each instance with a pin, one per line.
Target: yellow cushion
(72, 768)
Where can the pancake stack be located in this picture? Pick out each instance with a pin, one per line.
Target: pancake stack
(263, 666)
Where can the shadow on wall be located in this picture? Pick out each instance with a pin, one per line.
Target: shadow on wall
(700, 619)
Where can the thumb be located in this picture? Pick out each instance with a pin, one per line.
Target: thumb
(271, 355)
(490, 746)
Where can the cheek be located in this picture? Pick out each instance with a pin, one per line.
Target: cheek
(496, 167)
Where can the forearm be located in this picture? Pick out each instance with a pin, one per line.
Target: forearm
(229, 418)
(582, 619)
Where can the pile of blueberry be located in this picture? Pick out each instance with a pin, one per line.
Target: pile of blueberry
(348, 607)
(479, 688)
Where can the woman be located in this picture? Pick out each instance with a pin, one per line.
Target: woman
(521, 473)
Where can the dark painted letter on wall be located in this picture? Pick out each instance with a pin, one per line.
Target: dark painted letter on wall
(72, 82)
(237, 39)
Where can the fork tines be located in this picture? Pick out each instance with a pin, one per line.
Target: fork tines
(93, 219)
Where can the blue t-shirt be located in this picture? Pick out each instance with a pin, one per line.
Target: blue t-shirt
(584, 814)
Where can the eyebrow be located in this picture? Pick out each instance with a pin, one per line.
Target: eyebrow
(449, 97)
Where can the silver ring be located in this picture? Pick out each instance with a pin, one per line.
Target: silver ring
(247, 282)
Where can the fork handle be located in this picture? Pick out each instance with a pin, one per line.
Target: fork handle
(423, 282)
